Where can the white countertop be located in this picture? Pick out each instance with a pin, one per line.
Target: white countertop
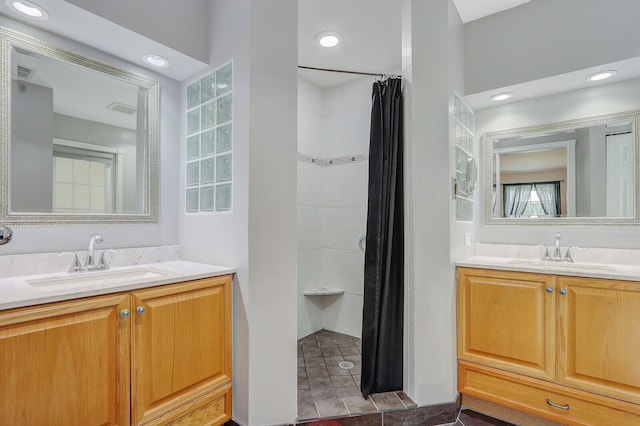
(17, 292)
(614, 271)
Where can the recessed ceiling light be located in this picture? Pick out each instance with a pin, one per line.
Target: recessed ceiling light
(156, 61)
(28, 8)
(501, 96)
(329, 38)
(601, 75)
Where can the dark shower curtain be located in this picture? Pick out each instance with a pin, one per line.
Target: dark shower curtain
(383, 313)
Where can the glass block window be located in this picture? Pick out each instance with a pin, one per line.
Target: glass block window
(465, 165)
(209, 150)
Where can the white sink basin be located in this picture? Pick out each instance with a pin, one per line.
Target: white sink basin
(100, 277)
(561, 266)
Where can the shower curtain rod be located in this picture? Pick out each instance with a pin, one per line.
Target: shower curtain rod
(348, 72)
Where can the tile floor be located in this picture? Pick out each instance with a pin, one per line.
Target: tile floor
(329, 366)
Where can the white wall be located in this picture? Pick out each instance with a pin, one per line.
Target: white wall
(431, 51)
(333, 123)
(34, 239)
(510, 47)
(258, 235)
(185, 29)
(32, 150)
(309, 199)
(601, 99)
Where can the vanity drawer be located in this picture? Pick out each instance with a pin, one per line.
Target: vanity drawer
(531, 396)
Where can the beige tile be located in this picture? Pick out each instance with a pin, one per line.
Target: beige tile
(333, 361)
(307, 410)
(345, 343)
(312, 352)
(355, 359)
(320, 382)
(314, 362)
(342, 381)
(300, 362)
(331, 407)
(303, 383)
(386, 401)
(317, 372)
(359, 405)
(302, 372)
(356, 378)
(331, 352)
(407, 401)
(337, 371)
(352, 350)
(315, 394)
(350, 391)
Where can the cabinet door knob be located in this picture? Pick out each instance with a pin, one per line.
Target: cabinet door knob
(549, 289)
(124, 313)
(140, 310)
(563, 291)
(562, 407)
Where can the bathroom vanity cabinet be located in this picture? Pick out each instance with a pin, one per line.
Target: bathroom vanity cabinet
(559, 347)
(146, 357)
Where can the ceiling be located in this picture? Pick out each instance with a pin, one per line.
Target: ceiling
(371, 41)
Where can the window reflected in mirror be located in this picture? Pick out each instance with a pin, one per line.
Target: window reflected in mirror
(580, 169)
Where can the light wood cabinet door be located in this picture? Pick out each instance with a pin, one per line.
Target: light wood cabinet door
(181, 350)
(65, 363)
(599, 336)
(507, 320)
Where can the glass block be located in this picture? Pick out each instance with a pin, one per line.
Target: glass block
(193, 95)
(207, 169)
(224, 109)
(193, 173)
(224, 76)
(457, 107)
(223, 197)
(223, 138)
(208, 87)
(207, 199)
(193, 200)
(464, 209)
(193, 121)
(469, 143)
(193, 147)
(223, 168)
(208, 143)
(208, 115)
(460, 157)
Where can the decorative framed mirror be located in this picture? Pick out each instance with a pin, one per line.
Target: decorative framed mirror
(79, 138)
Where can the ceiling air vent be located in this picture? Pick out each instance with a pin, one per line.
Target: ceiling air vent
(122, 108)
(24, 72)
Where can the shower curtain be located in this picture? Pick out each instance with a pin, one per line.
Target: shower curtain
(383, 313)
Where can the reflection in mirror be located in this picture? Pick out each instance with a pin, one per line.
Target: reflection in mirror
(83, 139)
(569, 171)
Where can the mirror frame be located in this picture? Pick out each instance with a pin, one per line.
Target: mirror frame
(539, 130)
(9, 38)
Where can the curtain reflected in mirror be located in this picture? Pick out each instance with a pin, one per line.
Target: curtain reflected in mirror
(583, 169)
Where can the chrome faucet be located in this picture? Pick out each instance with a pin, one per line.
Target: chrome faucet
(91, 264)
(557, 252)
(557, 255)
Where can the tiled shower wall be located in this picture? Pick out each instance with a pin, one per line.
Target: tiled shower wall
(333, 130)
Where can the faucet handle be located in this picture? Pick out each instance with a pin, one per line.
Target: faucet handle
(77, 265)
(103, 258)
(567, 256)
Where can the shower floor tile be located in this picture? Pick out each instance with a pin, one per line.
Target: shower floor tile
(326, 390)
